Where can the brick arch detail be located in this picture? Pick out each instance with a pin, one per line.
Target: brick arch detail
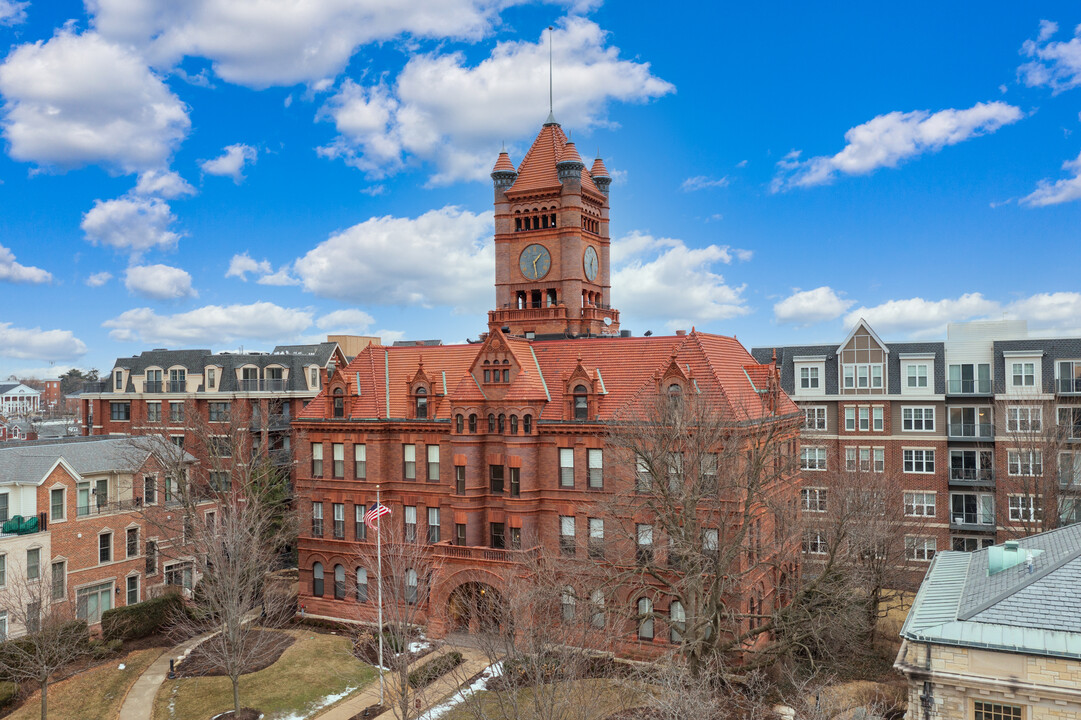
(447, 585)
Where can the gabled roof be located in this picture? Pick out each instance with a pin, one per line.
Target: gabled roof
(537, 171)
(870, 331)
(31, 462)
(1020, 609)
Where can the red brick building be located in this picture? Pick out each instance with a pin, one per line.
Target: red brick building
(488, 450)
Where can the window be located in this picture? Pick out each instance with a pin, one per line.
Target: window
(513, 424)
(33, 563)
(151, 549)
(317, 460)
(814, 543)
(131, 542)
(459, 479)
(1069, 470)
(596, 469)
(1069, 376)
(566, 604)
(337, 454)
(850, 419)
(360, 530)
(879, 459)
(708, 473)
(710, 541)
(118, 381)
(105, 547)
(596, 538)
(865, 419)
(411, 586)
(495, 478)
(596, 609)
(877, 418)
(313, 377)
(473, 423)
(813, 458)
(1023, 419)
(917, 376)
(317, 579)
(4, 507)
(814, 418)
(339, 582)
(516, 538)
(59, 578)
(221, 447)
(920, 504)
(920, 548)
(643, 482)
(409, 458)
(527, 424)
(433, 463)
(210, 378)
(433, 524)
(91, 602)
(153, 412)
(1023, 374)
(996, 711)
(219, 411)
(961, 543)
(814, 499)
(459, 534)
(862, 376)
(919, 461)
(120, 411)
(501, 423)
(918, 419)
(1025, 463)
(339, 520)
(566, 535)
(643, 551)
(362, 584)
(1023, 508)
(970, 378)
(581, 403)
(1069, 419)
(132, 589)
(459, 423)
(219, 481)
(338, 400)
(410, 518)
(497, 535)
(858, 459)
(360, 461)
(422, 403)
(849, 373)
(56, 504)
(176, 412)
(566, 467)
(972, 508)
(491, 422)
(808, 378)
(645, 619)
(317, 519)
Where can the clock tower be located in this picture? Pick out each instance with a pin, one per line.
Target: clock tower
(552, 249)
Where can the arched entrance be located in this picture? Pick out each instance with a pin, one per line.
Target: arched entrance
(475, 607)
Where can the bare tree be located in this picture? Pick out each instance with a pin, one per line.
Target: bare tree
(51, 637)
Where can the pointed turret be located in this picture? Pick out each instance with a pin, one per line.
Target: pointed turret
(570, 163)
(504, 174)
(600, 175)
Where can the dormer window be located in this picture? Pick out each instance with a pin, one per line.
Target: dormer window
(421, 403)
(581, 403)
(118, 383)
(339, 402)
(210, 379)
(675, 396)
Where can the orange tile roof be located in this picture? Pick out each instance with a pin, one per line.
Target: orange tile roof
(598, 169)
(628, 369)
(537, 172)
(503, 163)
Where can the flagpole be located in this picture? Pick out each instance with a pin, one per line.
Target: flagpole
(379, 590)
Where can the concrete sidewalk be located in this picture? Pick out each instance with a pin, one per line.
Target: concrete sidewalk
(139, 703)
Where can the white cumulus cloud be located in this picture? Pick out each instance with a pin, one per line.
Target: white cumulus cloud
(131, 224)
(163, 183)
(444, 257)
(11, 271)
(231, 162)
(919, 317)
(702, 182)
(243, 263)
(217, 324)
(160, 282)
(804, 307)
(1055, 64)
(646, 272)
(38, 344)
(12, 12)
(349, 321)
(887, 140)
(1052, 193)
(78, 99)
(282, 277)
(98, 279)
(445, 111)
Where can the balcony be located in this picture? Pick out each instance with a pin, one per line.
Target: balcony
(23, 525)
(97, 386)
(255, 385)
(108, 508)
(971, 476)
(1068, 386)
(281, 458)
(970, 523)
(970, 431)
(175, 386)
(969, 387)
(482, 554)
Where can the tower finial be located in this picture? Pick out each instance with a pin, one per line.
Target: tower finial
(551, 105)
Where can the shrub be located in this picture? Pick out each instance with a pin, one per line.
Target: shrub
(141, 619)
(74, 632)
(9, 691)
(432, 669)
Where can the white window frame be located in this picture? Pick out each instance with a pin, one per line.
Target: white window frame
(919, 548)
(814, 543)
(913, 415)
(810, 377)
(916, 375)
(925, 454)
(1015, 464)
(1017, 502)
(878, 459)
(850, 418)
(919, 503)
(814, 499)
(815, 418)
(1024, 418)
(818, 463)
(1025, 371)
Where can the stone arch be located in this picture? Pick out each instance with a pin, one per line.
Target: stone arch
(440, 620)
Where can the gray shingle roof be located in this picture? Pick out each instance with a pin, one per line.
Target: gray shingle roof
(28, 462)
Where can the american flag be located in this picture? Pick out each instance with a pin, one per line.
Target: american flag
(371, 518)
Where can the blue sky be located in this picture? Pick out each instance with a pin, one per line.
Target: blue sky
(219, 174)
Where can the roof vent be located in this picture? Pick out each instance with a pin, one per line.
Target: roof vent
(1008, 555)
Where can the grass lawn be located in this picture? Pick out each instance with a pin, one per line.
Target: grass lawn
(314, 667)
(589, 700)
(93, 695)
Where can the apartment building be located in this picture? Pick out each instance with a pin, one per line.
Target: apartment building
(975, 433)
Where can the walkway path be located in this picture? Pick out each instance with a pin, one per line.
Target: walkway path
(473, 661)
(139, 703)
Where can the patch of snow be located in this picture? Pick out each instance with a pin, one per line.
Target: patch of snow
(417, 646)
(492, 671)
(318, 705)
(121, 666)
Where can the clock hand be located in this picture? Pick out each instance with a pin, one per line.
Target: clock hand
(535, 259)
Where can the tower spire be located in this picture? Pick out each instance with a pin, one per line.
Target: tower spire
(551, 106)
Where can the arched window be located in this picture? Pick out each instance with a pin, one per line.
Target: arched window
(581, 403)
(422, 403)
(596, 615)
(677, 621)
(411, 586)
(675, 396)
(472, 422)
(566, 604)
(491, 422)
(544, 221)
(339, 582)
(645, 619)
(517, 224)
(513, 424)
(362, 584)
(553, 219)
(317, 579)
(502, 422)
(339, 402)
(527, 424)
(459, 424)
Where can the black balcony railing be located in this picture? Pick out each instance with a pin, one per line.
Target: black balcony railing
(255, 385)
(152, 386)
(1068, 386)
(971, 430)
(96, 387)
(107, 508)
(177, 387)
(972, 475)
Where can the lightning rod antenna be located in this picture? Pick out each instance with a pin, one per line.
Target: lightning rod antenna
(551, 106)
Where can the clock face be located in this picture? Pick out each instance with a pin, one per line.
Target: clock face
(535, 262)
(590, 262)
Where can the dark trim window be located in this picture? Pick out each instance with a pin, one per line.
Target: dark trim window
(120, 411)
(132, 542)
(317, 519)
(495, 475)
(527, 424)
(59, 578)
(339, 520)
(459, 423)
(339, 403)
(317, 460)
(581, 403)
(219, 411)
(56, 504)
(515, 481)
(362, 584)
(459, 534)
(513, 424)
(360, 530)
(491, 422)
(105, 547)
(317, 579)
(176, 412)
(411, 586)
(151, 550)
(337, 454)
(498, 535)
(459, 479)
(422, 403)
(516, 538)
(643, 552)
(433, 525)
(133, 589)
(360, 461)
(473, 422)
(153, 412)
(339, 582)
